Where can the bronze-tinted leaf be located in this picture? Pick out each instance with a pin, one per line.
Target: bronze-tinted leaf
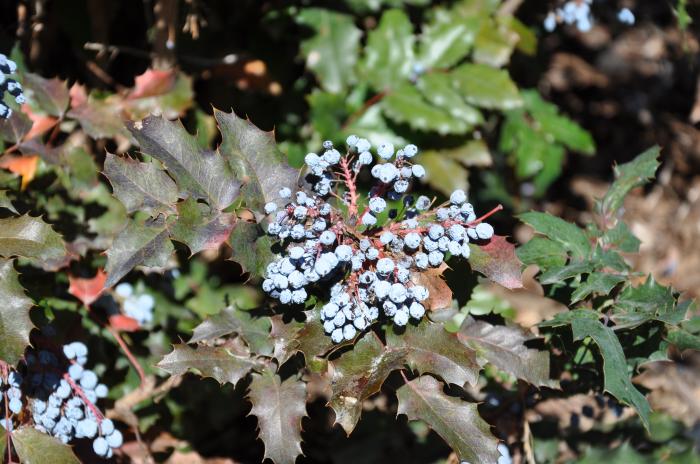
(15, 323)
(208, 361)
(497, 261)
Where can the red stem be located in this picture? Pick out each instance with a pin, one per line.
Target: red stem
(350, 184)
(125, 348)
(79, 391)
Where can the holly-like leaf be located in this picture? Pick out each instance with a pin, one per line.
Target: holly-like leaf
(617, 379)
(494, 43)
(255, 331)
(333, 51)
(504, 347)
(486, 87)
(256, 161)
(5, 202)
(437, 89)
(456, 421)
(30, 237)
(139, 243)
(15, 323)
(497, 261)
(599, 283)
(443, 173)
(567, 234)
(279, 407)
(199, 173)
(628, 176)
(251, 248)
(293, 337)
(201, 228)
(649, 301)
(431, 349)
(543, 252)
(24, 166)
(208, 361)
(622, 238)
(140, 186)
(389, 51)
(87, 290)
(15, 128)
(33, 447)
(51, 95)
(357, 375)
(406, 105)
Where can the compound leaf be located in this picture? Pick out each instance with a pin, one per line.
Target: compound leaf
(628, 176)
(567, 234)
(201, 228)
(32, 238)
(456, 421)
(251, 248)
(543, 252)
(279, 407)
(293, 337)
(51, 95)
(15, 323)
(486, 87)
(406, 105)
(389, 51)
(446, 41)
(599, 282)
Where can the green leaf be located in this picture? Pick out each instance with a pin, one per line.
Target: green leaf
(255, 331)
(140, 243)
(687, 336)
(140, 186)
(504, 347)
(497, 261)
(327, 111)
(201, 228)
(443, 173)
(486, 87)
(646, 302)
(557, 275)
(567, 234)
(207, 361)
(389, 51)
(50, 95)
(15, 323)
(557, 127)
(255, 160)
(543, 252)
(35, 447)
(406, 105)
(431, 349)
(622, 238)
(30, 237)
(446, 40)
(494, 43)
(357, 375)
(456, 421)
(598, 282)
(251, 248)
(437, 89)
(5, 202)
(307, 337)
(333, 51)
(199, 173)
(279, 407)
(617, 380)
(483, 301)
(628, 176)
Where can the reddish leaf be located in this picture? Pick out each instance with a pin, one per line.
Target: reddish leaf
(497, 261)
(40, 123)
(152, 82)
(24, 166)
(78, 95)
(440, 293)
(124, 323)
(87, 290)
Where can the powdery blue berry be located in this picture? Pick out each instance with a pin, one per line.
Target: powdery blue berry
(419, 293)
(386, 237)
(409, 151)
(418, 171)
(344, 253)
(458, 197)
(299, 296)
(412, 240)
(368, 219)
(385, 266)
(285, 193)
(337, 335)
(435, 231)
(328, 237)
(365, 158)
(401, 318)
(385, 150)
(352, 140)
(349, 332)
(435, 258)
(377, 204)
(398, 293)
(285, 296)
(362, 145)
(416, 310)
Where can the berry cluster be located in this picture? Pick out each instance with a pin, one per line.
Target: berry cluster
(578, 13)
(367, 257)
(61, 395)
(138, 306)
(11, 86)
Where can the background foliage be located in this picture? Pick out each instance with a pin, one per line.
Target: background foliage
(594, 359)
